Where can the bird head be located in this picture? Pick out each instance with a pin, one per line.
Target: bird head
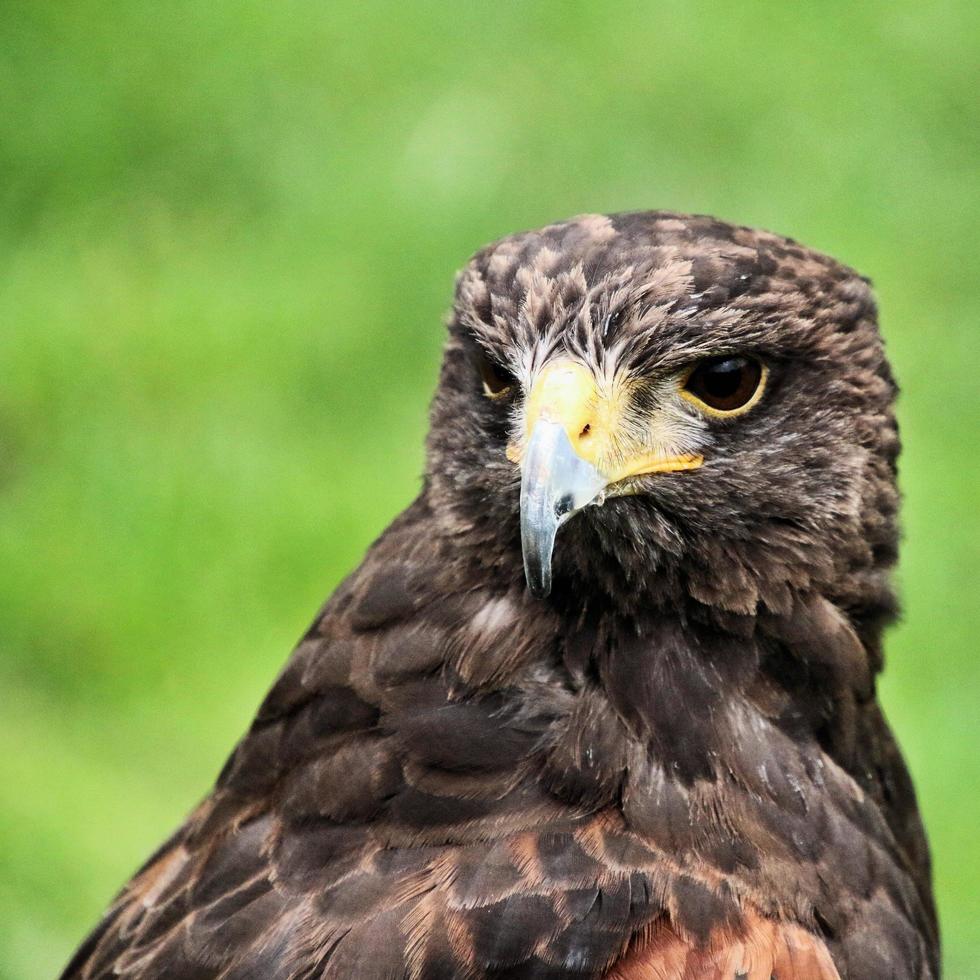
(653, 403)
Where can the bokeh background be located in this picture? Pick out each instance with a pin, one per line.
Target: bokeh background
(228, 234)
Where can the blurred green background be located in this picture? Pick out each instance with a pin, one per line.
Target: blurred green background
(228, 234)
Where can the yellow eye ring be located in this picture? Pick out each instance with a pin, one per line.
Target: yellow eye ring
(498, 382)
(725, 387)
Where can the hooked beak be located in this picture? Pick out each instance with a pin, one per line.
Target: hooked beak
(569, 459)
(555, 483)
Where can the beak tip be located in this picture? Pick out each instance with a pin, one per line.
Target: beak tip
(538, 580)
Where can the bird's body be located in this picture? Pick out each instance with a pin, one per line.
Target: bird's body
(673, 763)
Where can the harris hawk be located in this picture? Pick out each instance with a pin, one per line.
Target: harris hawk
(601, 701)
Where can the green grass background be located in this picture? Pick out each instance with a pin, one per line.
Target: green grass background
(228, 233)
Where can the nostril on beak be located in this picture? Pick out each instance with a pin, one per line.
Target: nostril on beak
(586, 430)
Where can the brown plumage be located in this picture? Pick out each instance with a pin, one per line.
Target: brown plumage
(671, 764)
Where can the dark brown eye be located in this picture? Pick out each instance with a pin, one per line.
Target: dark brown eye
(497, 380)
(726, 385)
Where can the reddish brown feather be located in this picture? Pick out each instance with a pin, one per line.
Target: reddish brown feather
(762, 950)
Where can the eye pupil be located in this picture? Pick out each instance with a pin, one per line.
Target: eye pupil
(725, 384)
(722, 381)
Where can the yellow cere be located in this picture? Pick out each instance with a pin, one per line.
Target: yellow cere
(565, 391)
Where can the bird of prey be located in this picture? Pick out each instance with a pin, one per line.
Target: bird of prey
(601, 702)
